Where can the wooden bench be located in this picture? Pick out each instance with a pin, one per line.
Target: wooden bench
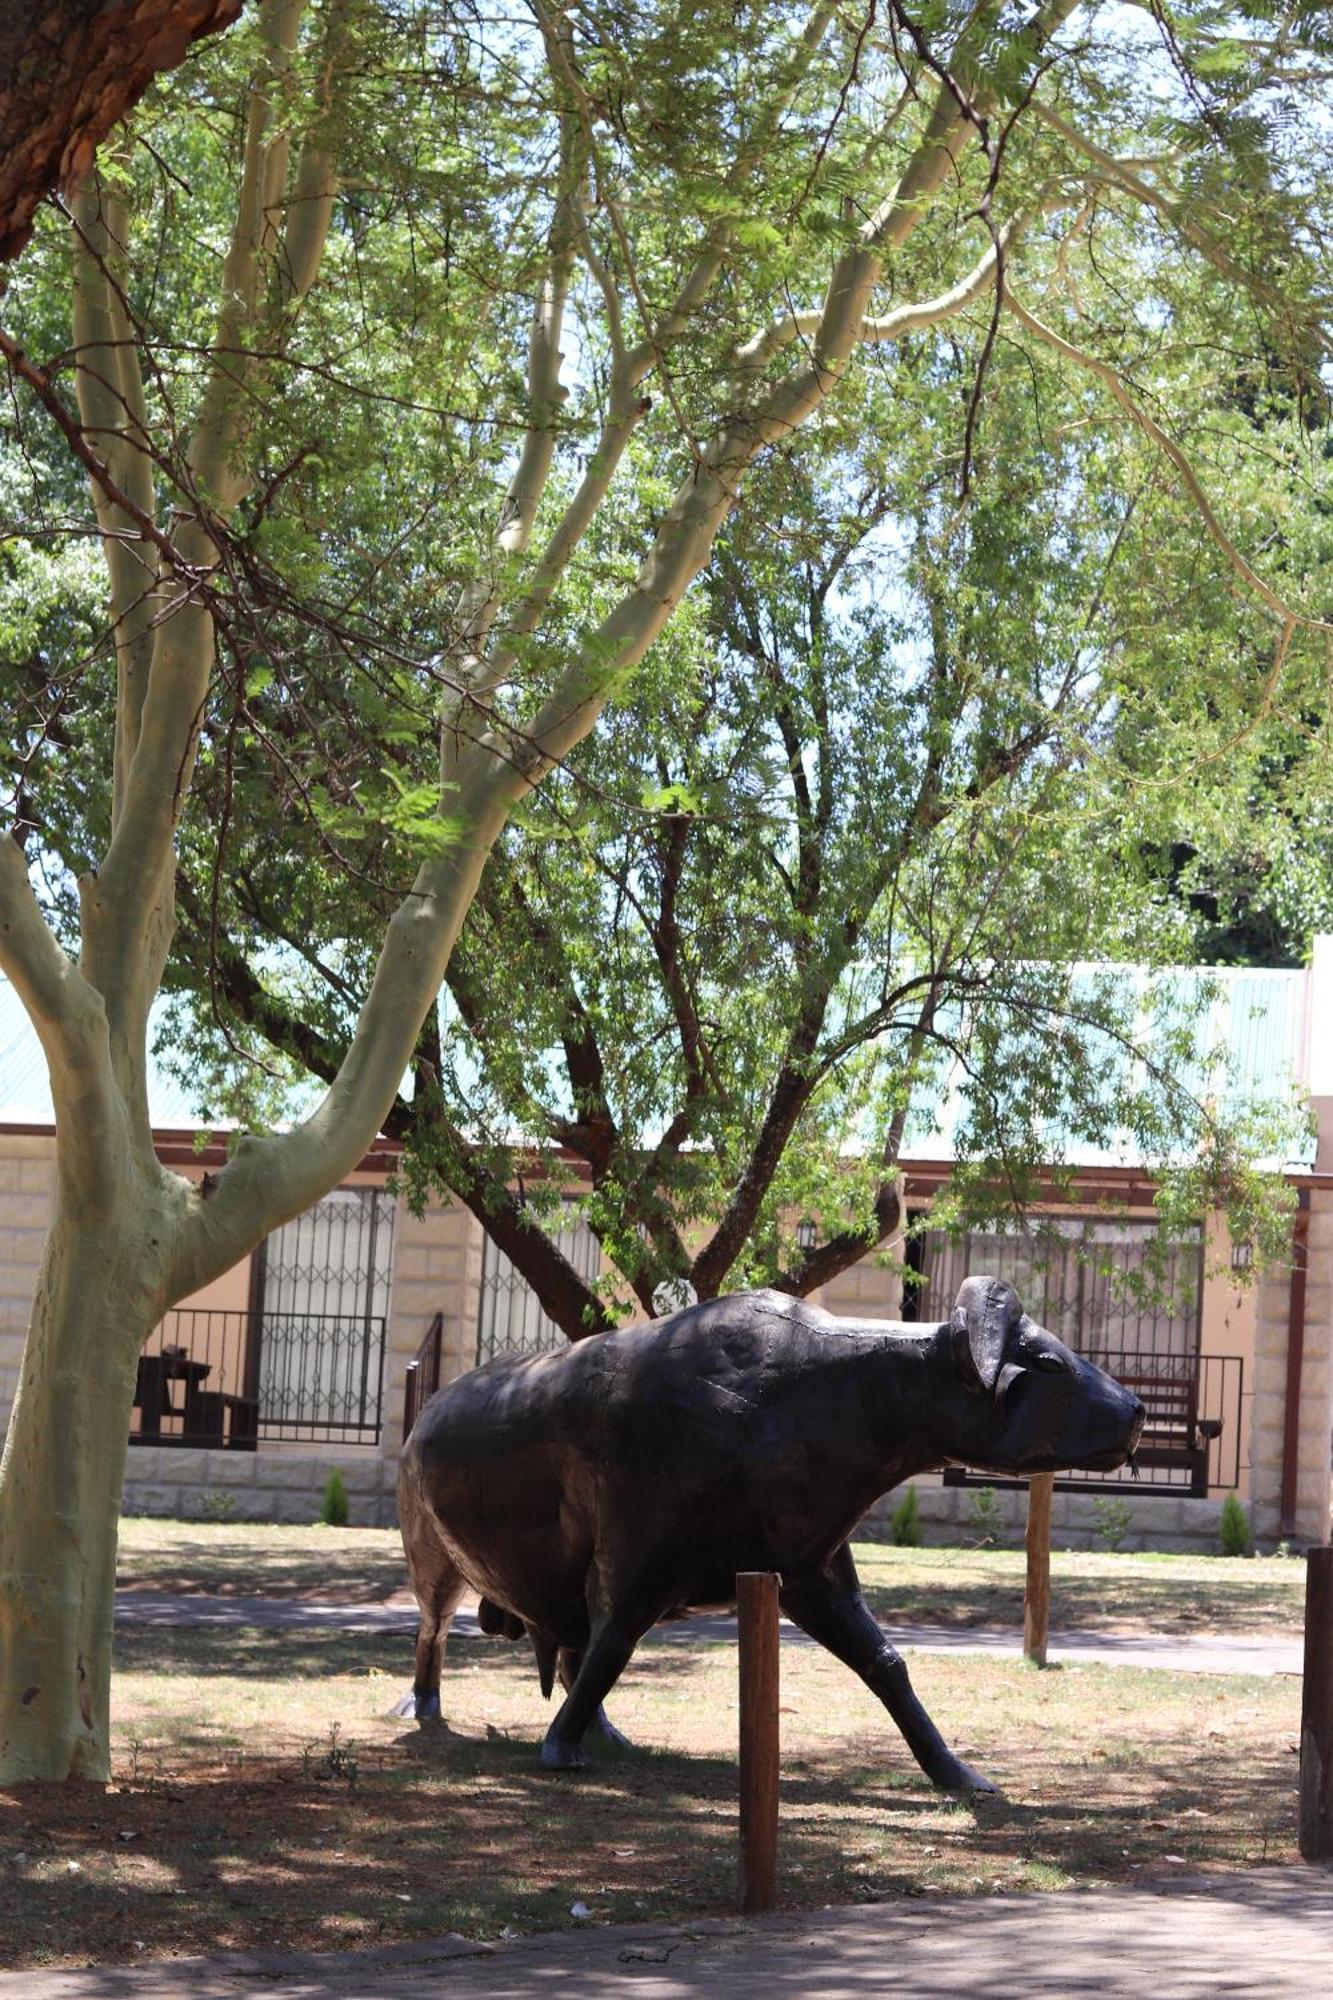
(1174, 1435)
(153, 1384)
(208, 1410)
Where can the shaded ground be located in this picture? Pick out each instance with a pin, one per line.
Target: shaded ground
(353, 1827)
(1264, 1931)
(962, 1587)
(1163, 1594)
(234, 1558)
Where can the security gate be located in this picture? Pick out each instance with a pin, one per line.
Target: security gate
(510, 1320)
(1090, 1282)
(1086, 1280)
(323, 1301)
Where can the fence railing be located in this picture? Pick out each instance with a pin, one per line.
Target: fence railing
(1192, 1438)
(423, 1374)
(236, 1379)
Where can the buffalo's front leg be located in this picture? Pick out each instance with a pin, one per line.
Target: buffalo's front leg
(832, 1610)
(599, 1669)
(568, 1669)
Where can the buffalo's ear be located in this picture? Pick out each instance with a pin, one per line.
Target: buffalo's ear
(984, 1313)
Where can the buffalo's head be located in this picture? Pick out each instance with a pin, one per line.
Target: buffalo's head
(1027, 1402)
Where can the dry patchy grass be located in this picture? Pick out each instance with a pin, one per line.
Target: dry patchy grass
(1144, 1593)
(962, 1587)
(265, 1797)
(236, 1558)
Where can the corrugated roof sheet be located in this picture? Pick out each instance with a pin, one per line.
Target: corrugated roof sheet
(25, 1096)
(1258, 1016)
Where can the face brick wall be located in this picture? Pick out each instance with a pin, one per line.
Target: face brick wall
(27, 1179)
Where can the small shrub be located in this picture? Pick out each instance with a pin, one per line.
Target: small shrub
(333, 1507)
(905, 1522)
(1112, 1518)
(1234, 1528)
(215, 1506)
(985, 1517)
(338, 1761)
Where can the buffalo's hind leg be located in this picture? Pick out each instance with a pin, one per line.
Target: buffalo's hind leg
(831, 1609)
(438, 1586)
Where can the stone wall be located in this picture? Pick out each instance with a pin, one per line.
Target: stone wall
(27, 1181)
(866, 1290)
(436, 1268)
(1177, 1525)
(277, 1484)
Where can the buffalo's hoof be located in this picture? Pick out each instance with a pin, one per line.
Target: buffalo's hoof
(965, 1783)
(613, 1738)
(418, 1707)
(559, 1755)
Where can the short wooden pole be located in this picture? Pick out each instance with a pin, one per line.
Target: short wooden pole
(1037, 1590)
(1316, 1816)
(757, 1612)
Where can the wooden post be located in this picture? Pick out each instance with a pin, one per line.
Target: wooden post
(1037, 1591)
(757, 1611)
(1316, 1817)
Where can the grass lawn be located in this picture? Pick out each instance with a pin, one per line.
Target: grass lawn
(264, 1796)
(233, 1558)
(1107, 1593)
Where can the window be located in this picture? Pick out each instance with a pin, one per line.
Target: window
(323, 1292)
(1077, 1280)
(510, 1320)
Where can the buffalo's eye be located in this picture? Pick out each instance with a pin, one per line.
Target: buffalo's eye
(1049, 1364)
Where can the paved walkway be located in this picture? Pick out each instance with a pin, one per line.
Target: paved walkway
(1218, 1653)
(1266, 1934)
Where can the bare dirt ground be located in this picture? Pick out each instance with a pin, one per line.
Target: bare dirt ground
(265, 1797)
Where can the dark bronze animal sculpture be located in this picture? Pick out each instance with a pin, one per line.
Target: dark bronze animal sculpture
(590, 1493)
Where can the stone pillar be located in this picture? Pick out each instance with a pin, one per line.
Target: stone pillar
(436, 1268)
(27, 1181)
(1314, 1487)
(1268, 1400)
(865, 1290)
(1313, 1480)
(1314, 1483)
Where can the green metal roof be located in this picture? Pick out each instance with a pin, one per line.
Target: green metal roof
(1255, 1018)
(25, 1095)
(1258, 1017)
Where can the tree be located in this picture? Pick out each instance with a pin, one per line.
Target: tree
(672, 190)
(72, 73)
(714, 961)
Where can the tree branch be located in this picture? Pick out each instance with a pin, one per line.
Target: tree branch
(1174, 209)
(68, 75)
(70, 1021)
(1287, 614)
(111, 403)
(561, 1291)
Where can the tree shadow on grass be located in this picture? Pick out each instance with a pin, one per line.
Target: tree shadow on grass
(437, 1829)
(1168, 1604)
(211, 1564)
(313, 1652)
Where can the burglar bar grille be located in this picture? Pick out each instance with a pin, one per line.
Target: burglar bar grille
(321, 1379)
(510, 1320)
(1079, 1282)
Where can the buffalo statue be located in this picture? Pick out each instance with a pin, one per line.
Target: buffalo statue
(588, 1494)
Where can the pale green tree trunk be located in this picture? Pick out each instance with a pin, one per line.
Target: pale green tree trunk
(60, 1488)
